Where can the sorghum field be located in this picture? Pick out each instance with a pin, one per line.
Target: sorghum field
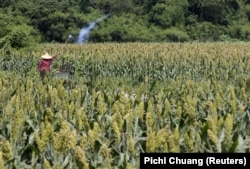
(123, 99)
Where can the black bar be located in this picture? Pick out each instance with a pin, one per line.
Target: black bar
(194, 160)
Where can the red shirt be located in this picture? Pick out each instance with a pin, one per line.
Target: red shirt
(44, 64)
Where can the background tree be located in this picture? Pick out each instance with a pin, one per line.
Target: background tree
(15, 31)
(167, 13)
(131, 20)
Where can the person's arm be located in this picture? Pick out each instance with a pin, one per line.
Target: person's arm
(55, 56)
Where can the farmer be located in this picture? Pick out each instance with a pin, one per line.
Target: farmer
(45, 64)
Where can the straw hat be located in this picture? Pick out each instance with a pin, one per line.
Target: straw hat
(46, 56)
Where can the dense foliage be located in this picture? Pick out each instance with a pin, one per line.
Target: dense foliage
(123, 99)
(132, 20)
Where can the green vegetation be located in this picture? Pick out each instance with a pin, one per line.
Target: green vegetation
(26, 21)
(123, 99)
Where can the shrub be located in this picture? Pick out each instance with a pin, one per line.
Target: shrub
(174, 35)
(206, 31)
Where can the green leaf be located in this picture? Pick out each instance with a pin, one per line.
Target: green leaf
(97, 146)
(67, 160)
